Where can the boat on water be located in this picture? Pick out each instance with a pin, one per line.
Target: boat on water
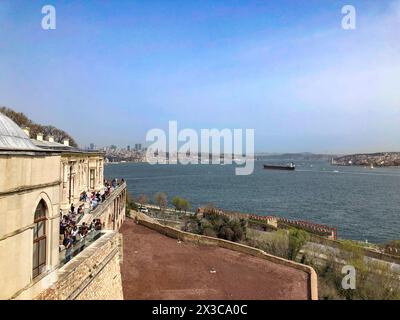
(290, 167)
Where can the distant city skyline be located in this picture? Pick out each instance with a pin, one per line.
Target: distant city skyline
(110, 72)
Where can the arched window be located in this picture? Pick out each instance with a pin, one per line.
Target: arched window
(39, 239)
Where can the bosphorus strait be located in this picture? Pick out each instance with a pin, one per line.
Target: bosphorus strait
(362, 203)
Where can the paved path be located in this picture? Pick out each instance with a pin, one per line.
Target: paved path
(159, 267)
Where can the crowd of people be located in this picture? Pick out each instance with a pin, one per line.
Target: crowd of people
(97, 197)
(73, 236)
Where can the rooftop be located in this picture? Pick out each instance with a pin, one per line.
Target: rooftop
(12, 137)
(158, 267)
(51, 145)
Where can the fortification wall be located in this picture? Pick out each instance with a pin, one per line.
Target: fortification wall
(106, 285)
(200, 239)
(93, 274)
(367, 252)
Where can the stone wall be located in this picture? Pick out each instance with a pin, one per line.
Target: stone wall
(106, 285)
(93, 274)
(76, 177)
(25, 180)
(366, 251)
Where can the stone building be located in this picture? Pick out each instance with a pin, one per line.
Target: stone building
(39, 179)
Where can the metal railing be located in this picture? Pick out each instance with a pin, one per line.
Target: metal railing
(98, 210)
(66, 255)
(102, 205)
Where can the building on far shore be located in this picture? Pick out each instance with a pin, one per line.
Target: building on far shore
(39, 180)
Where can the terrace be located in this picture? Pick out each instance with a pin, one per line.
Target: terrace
(156, 266)
(79, 231)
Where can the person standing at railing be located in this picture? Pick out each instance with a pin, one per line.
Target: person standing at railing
(84, 229)
(92, 225)
(63, 225)
(68, 247)
(98, 225)
(93, 204)
(80, 209)
(74, 233)
(82, 235)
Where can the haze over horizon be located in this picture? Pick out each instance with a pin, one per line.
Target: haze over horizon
(112, 71)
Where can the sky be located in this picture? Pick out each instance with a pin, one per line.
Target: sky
(112, 70)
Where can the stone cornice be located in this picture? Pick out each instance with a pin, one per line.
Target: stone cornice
(25, 189)
(20, 230)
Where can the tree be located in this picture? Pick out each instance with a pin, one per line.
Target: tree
(23, 121)
(176, 201)
(193, 224)
(160, 199)
(130, 205)
(180, 203)
(210, 232)
(226, 233)
(239, 230)
(184, 205)
(143, 199)
(297, 238)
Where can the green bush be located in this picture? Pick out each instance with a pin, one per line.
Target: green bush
(180, 203)
(297, 238)
(226, 233)
(192, 224)
(215, 225)
(176, 202)
(209, 232)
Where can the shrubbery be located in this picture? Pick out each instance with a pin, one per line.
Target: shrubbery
(374, 279)
(130, 205)
(297, 238)
(180, 203)
(214, 225)
(278, 245)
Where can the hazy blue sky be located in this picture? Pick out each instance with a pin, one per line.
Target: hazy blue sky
(114, 69)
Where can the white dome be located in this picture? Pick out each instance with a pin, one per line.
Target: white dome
(12, 137)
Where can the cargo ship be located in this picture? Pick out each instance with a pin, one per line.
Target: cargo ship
(290, 167)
